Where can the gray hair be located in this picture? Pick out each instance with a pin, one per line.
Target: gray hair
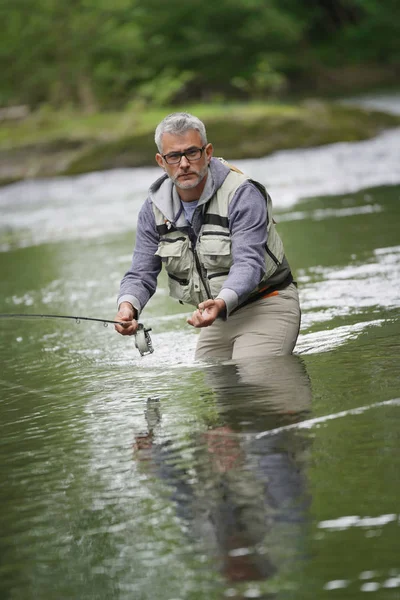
(179, 123)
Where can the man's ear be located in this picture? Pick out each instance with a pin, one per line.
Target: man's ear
(209, 151)
(160, 161)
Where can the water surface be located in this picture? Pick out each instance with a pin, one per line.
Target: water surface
(160, 478)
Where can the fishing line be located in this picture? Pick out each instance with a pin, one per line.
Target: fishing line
(309, 423)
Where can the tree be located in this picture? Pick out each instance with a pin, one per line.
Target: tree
(92, 53)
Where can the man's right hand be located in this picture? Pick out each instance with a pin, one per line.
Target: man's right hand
(127, 314)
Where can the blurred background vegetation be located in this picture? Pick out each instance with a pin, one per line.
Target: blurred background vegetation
(84, 82)
(96, 54)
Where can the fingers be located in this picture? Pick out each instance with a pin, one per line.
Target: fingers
(196, 319)
(206, 304)
(129, 326)
(126, 314)
(202, 317)
(207, 312)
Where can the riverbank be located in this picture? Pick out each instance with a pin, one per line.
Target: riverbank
(47, 143)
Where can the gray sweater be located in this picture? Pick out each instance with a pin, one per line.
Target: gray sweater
(247, 222)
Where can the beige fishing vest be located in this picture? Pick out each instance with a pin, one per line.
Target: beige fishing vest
(198, 273)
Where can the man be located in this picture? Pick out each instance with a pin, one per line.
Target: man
(212, 228)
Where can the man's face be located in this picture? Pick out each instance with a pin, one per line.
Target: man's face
(185, 174)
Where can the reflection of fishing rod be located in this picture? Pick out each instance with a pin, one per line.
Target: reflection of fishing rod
(142, 336)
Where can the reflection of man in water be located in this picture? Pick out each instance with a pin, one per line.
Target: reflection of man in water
(245, 497)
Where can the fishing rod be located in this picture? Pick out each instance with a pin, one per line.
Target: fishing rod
(77, 319)
(142, 337)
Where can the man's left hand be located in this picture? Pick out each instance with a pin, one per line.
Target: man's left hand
(207, 312)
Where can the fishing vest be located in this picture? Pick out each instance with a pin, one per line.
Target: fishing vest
(197, 271)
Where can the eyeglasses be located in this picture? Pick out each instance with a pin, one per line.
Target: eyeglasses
(193, 154)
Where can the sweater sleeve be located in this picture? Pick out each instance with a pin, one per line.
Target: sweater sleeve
(248, 226)
(140, 281)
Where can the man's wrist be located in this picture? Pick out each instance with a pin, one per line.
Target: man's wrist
(221, 307)
(133, 301)
(230, 298)
(129, 306)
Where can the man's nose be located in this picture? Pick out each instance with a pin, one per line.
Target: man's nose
(184, 161)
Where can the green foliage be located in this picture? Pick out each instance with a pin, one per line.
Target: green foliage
(93, 54)
(164, 87)
(376, 36)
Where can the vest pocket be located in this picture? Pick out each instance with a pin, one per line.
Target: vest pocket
(175, 256)
(179, 289)
(215, 252)
(216, 282)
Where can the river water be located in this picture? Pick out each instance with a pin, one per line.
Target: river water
(159, 478)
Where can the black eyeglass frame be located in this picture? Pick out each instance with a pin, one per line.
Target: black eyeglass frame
(165, 156)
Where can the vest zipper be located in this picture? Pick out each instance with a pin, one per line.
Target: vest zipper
(272, 255)
(222, 274)
(172, 241)
(216, 233)
(200, 272)
(193, 240)
(178, 279)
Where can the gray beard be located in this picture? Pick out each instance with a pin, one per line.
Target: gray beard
(190, 186)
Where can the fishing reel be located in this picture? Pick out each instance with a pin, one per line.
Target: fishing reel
(143, 340)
